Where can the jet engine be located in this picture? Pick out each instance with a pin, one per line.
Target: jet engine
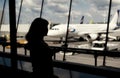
(93, 36)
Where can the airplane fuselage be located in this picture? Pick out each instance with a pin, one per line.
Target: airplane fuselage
(77, 29)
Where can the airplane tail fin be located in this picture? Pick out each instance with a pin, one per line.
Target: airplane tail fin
(82, 19)
(115, 18)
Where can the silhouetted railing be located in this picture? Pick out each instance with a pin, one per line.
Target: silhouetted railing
(95, 70)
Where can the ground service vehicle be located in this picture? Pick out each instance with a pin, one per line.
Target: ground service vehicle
(100, 45)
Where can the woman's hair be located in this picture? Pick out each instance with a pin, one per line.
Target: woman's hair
(39, 25)
(38, 29)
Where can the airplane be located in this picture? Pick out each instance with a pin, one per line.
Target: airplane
(59, 40)
(24, 28)
(21, 30)
(86, 31)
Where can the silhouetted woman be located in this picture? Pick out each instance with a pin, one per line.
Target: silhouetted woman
(40, 53)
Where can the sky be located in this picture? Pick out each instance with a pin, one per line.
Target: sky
(57, 11)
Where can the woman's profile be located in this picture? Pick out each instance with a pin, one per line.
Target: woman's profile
(40, 53)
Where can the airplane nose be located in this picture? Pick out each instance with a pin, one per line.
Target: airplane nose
(53, 33)
(50, 33)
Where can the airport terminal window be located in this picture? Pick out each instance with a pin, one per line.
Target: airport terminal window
(25, 64)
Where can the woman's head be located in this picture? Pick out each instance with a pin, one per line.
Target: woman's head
(39, 26)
